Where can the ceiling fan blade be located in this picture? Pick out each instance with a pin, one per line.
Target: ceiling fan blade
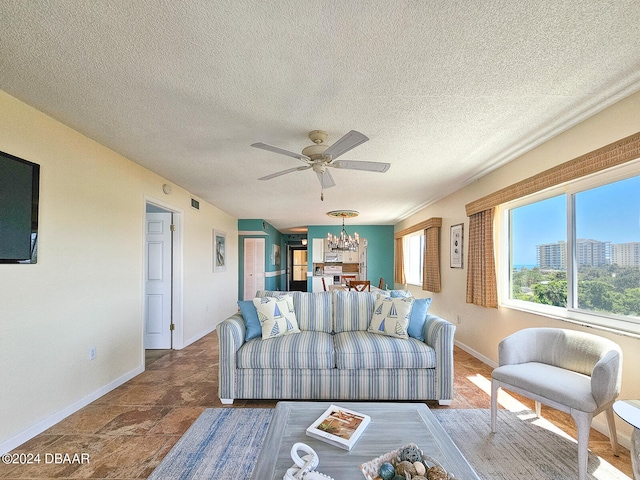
(380, 167)
(346, 143)
(284, 172)
(281, 151)
(326, 180)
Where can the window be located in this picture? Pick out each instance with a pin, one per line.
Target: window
(538, 260)
(413, 248)
(422, 259)
(576, 249)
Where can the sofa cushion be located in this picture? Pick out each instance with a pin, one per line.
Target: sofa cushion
(352, 310)
(313, 310)
(303, 350)
(277, 316)
(358, 350)
(566, 387)
(391, 316)
(398, 293)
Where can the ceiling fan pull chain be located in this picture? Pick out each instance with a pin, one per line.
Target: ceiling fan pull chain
(322, 195)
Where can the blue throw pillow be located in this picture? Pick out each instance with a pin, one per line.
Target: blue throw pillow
(250, 315)
(418, 317)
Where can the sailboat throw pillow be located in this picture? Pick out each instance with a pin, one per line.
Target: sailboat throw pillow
(391, 316)
(276, 315)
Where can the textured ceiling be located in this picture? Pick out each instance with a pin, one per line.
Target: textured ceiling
(445, 90)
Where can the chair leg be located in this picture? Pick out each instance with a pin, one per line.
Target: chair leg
(635, 452)
(583, 422)
(495, 386)
(613, 436)
(538, 409)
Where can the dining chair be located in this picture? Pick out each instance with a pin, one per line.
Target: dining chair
(349, 278)
(360, 285)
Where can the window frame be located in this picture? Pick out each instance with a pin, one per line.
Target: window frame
(616, 323)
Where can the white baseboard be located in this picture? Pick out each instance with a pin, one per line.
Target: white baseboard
(51, 420)
(197, 337)
(478, 355)
(599, 423)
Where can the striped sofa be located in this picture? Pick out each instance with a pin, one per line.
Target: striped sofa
(334, 357)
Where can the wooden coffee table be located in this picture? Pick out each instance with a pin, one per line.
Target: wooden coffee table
(392, 426)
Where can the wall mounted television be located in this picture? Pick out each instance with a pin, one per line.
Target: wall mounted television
(19, 198)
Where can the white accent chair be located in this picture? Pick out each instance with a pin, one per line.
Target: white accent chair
(575, 372)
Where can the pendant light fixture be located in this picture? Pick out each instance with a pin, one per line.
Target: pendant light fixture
(343, 242)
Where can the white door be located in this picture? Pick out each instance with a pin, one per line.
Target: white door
(157, 311)
(254, 265)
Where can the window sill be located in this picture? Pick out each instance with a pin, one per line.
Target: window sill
(607, 324)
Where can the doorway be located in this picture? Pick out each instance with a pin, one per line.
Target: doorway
(297, 267)
(254, 266)
(162, 256)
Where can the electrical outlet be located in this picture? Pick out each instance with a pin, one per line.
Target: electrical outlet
(92, 353)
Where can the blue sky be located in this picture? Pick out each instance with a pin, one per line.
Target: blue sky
(610, 213)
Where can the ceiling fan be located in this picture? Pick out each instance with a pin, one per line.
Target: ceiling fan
(320, 157)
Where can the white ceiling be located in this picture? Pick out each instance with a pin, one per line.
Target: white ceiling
(445, 90)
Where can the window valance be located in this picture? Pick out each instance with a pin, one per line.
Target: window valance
(430, 223)
(614, 154)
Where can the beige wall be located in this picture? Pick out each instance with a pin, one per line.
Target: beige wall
(87, 287)
(480, 329)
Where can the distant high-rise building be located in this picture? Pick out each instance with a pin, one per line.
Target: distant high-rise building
(590, 253)
(626, 254)
(552, 256)
(593, 253)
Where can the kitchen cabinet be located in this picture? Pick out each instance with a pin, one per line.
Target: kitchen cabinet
(317, 246)
(350, 257)
(316, 282)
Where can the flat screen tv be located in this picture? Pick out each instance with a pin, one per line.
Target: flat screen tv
(19, 196)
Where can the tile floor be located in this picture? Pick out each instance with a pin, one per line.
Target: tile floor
(127, 432)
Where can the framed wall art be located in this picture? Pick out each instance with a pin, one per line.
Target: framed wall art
(219, 251)
(276, 255)
(456, 239)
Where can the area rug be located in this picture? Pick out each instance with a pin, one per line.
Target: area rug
(224, 443)
(524, 446)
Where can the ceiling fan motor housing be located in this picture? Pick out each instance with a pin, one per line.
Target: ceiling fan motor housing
(315, 152)
(318, 136)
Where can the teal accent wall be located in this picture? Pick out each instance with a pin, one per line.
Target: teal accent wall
(275, 277)
(379, 250)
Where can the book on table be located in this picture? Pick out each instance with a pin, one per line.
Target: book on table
(339, 427)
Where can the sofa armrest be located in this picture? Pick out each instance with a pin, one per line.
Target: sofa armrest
(231, 335)
(439, 334)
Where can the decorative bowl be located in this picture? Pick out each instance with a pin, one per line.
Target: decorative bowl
(370, 468)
